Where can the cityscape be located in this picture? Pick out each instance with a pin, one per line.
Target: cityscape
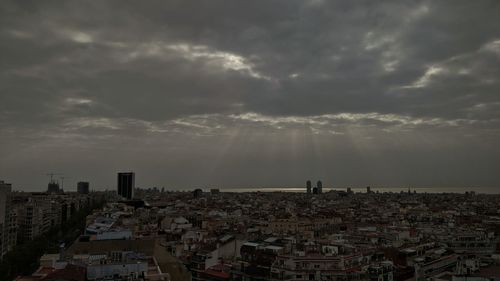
(245, 140)
(210, 234)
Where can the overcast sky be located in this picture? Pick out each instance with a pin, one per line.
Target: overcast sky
(250, 93)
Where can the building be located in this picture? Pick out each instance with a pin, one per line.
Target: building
(30, 216)
(309, 187)
(473, 243)
(83, 187)
(113, 265)
(11, 231)
(58, 271)
(381, 271)
(319, 266)
(35, 213)
(53, 187)
(126, 185)
(320, 187)
(123, 265)
(197, 193)
(5, 190)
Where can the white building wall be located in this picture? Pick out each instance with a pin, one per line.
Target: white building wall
(108, 270)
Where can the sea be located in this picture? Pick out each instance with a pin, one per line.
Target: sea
(477, 190)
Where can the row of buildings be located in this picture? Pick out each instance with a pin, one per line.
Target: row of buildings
(330, 236)
(249, 236)
(26, 215)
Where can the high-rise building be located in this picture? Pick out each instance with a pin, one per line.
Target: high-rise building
(83, 187)
(320, 187)
(309, 187)
(368, 189)
(53, 187)
(5, 190)
(126, 185)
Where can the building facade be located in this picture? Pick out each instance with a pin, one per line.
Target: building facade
(126, 185)
(5, 218)
(83, 187)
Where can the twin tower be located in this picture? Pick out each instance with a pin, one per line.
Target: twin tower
(316, 190)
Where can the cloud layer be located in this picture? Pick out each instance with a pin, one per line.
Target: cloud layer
(245, 93)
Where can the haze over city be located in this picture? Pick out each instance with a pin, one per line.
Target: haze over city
(250, 93)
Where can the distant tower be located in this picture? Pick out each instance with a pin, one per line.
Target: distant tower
(83, 187)
(368, 189)
(308, 187)
(320, 187)
(126, 185)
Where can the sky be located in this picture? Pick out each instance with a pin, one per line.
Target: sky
(231, 94)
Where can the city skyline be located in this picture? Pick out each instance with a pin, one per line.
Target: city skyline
(84, 187)
(190, 94)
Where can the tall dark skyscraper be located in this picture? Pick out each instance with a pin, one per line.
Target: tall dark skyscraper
(82, 187)
(320, 187)
(308, 186)
(126, 185)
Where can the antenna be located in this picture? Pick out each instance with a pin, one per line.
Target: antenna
(52, 174)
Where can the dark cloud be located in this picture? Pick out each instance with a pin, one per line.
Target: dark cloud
(244, 93)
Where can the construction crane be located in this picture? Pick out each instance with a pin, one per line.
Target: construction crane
(62, 181)
(52, 176)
